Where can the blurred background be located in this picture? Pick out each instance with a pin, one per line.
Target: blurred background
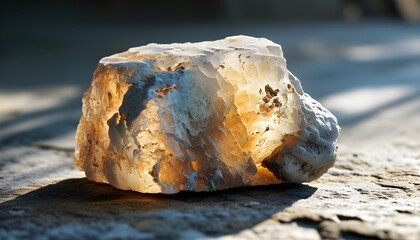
(360, 58)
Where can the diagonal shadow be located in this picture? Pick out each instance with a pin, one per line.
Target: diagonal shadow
(70, 104)
(84, 203)
(57, 120)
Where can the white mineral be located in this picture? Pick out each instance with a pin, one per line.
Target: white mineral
(204, 116)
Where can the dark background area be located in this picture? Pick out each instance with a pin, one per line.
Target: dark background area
(124, 11)
(50, 42)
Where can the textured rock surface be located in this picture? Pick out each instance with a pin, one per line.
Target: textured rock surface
(372, 192)
(201, 117)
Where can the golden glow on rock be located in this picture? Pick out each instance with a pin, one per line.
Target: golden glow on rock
(201, 117)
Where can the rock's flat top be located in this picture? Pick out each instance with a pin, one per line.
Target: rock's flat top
(196, 50)
(369, 80)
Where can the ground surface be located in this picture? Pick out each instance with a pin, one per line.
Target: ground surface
(367, 74)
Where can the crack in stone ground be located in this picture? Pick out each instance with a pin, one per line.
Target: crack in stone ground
(348, 227)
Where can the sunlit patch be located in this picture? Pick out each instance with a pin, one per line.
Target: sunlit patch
(366, 52)
(13, 103)
(365, 99)
(410, 47)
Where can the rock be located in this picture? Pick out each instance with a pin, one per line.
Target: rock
(202, 117)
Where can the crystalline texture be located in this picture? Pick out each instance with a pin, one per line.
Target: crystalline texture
(204, 116)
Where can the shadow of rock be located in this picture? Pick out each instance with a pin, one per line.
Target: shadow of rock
(84, 209)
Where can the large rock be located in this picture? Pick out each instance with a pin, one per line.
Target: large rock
(201, 117)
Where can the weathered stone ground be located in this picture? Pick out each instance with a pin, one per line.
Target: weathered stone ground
(368, 75)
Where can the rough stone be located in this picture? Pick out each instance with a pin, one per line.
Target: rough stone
(201, 117)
